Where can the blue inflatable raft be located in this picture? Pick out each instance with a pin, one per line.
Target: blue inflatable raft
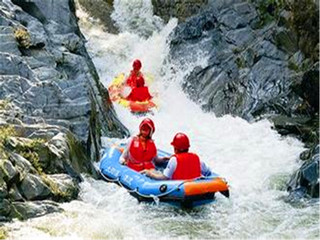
(182, 193)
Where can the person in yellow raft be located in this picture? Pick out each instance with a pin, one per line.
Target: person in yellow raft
(134, 88)
(140, 92)
(131, 81)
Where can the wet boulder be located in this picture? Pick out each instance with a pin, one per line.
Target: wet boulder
(25, 210)
(305, 182)
(33, 188)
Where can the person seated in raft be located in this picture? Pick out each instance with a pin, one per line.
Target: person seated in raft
(141, 152)
(140, 92)
(131, 81)
(183, 164)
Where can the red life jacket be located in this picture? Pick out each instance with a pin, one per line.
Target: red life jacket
(139, 157)
(140, 94)
(132, 79)
(188, 166)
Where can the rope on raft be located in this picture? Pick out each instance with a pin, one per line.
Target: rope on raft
(154, 197)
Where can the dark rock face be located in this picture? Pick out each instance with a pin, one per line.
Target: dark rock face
(252, 68)
(308, 89)
(305, 23)
(246, 76)
(260, 64)
(305, 182)
(177, 8)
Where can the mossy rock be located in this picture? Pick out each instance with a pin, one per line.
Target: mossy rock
(287, 41)
(5, 133)
(3, 188)
(4, 104)
(79, 158)
(4, 207)
(29, 149)
(305, 22)
(25, 210)
(62, 186)
(269, 11)
(8, 172)
(240, 62)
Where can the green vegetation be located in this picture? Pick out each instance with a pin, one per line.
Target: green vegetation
(269, 11)
(237, 50)
(4, 104)
(23, 37)
(311, 131)
(305, 22)
(29, 151)
(54, 187)
(79, 159)
(33, 158)
(240, 62)
(3, 233)
(293, 66)
(5, 133)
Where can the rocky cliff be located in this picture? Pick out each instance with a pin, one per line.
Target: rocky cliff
(262, 63)
(53, 108)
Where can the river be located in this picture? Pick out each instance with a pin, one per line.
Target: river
(254, 158)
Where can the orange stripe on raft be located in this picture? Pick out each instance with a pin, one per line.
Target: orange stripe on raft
(141, 106)
(196, 188)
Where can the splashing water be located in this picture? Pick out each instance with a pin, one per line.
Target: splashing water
(254, 159)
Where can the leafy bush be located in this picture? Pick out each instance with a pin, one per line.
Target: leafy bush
(23, 37)
(5, 133)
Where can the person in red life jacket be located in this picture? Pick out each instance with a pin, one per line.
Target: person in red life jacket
(134, 74)
(183, 164)
(141, 150)
(140, 92)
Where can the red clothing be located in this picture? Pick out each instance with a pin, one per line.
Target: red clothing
(132, 79)
(140, 94)
(140, 156)
(188, 166)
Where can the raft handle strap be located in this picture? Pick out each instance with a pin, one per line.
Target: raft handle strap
(155, 197)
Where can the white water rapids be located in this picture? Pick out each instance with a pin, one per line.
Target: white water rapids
(255, 160)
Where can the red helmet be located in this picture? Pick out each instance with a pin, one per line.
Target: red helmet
(149, 123)
(136, 65)
(140, 81)
(180, 141)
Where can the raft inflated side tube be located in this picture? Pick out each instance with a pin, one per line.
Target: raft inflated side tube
(187, 193)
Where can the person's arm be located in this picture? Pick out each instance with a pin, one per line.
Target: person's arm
(167, 172)
(153, 174)
(205, 169)
(125, 154)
